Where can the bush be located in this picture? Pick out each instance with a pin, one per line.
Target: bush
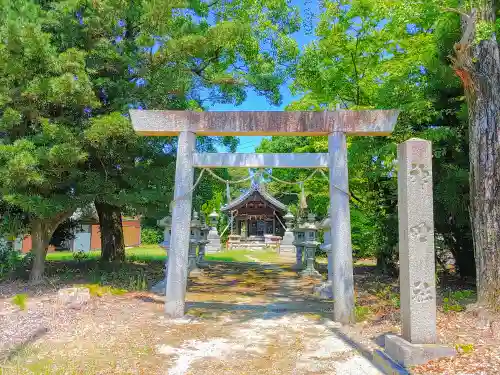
(456, 301)
(10, 259)
(80, 256)
(151, 236)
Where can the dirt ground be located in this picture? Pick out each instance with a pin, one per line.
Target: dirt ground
(241, 319)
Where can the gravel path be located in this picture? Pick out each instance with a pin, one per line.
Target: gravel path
(258, 318)
(279, 339)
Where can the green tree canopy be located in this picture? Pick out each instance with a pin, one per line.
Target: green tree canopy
(70, 70)
(368, 56)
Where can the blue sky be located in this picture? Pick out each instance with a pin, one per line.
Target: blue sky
(255, 102)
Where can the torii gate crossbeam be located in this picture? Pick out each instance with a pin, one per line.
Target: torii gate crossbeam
(335, 124)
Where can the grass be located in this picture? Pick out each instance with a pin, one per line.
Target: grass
(144, 253)
(97, 290)
(20, 300)
(457, 301)
(144, 266)
(362, 313)
(241, 256)
(148, 253)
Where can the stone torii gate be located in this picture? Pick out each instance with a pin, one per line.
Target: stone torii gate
(335, 124)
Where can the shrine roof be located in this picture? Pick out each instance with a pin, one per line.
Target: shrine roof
(256, 188)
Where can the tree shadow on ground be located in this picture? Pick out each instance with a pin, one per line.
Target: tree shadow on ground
(129, 275)
(39, 333)
(275, 290)
(355, 343)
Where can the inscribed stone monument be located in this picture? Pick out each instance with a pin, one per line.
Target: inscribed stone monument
(416, 258)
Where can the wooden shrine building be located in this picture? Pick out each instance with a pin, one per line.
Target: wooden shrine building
(257, 219)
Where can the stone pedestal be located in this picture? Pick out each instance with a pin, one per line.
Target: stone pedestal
(407, 354)
(416, 258)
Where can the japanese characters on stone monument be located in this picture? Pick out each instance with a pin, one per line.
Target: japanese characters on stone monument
(416, 242)
(416, 259)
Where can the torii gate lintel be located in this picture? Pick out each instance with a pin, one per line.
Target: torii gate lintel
(264, 123)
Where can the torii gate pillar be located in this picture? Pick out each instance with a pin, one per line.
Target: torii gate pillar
(177, 270)
(335, 124)
(343, 279)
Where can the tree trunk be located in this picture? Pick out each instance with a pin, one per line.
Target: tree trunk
(110, 223)
(41, 233)
(478, 65)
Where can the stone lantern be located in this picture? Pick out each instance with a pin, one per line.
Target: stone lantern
(298, 242)
(166, 224)
(325, 290)
(194, 241)
(310, 244)
(204, 230)
(288, 238)
(213, 237)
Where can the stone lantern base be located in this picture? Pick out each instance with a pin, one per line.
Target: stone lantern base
(202, 250)
(193, 269)
(310, 271)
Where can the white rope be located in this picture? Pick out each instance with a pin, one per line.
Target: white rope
(227, 181)
(291, 183)
(277, 217)
(192, 189)
(224, 231)
(231, 218)
(335, 186)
